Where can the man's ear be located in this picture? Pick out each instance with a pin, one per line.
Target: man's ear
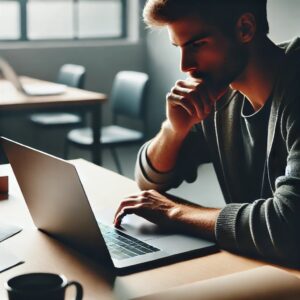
(246, 28)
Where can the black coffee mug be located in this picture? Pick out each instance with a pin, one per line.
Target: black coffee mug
(46, 286)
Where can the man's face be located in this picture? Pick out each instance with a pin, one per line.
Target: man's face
(207, 53)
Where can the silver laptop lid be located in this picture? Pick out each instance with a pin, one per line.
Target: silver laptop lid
(9, 73)
(56, 199)
(43, 89)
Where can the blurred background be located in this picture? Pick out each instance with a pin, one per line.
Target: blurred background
(37, 37)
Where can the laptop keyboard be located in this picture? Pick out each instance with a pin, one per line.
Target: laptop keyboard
(122, 246)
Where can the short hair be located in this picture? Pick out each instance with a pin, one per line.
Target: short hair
(222, 13)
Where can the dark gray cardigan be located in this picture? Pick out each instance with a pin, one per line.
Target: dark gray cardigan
(267, 227)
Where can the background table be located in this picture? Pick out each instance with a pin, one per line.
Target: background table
(13, 102)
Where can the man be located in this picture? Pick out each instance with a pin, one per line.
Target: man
(242, 97)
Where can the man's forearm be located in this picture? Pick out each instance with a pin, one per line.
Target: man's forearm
(198, 220)
(164, 148)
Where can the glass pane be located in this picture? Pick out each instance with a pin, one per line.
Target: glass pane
(99, 18)
(9, 20)
(50, 19)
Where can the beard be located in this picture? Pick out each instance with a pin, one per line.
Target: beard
(216, 87)
(226, 72)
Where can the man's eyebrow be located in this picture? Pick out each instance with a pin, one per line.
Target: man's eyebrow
(192, 40)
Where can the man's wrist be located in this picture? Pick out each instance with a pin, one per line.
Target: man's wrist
(175, 135)
(197, 219)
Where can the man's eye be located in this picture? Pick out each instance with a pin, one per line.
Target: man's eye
(198, 44)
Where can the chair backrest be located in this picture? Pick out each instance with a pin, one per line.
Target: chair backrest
(71, 75)
(128, 94)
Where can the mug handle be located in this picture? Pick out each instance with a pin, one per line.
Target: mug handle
(79, 289)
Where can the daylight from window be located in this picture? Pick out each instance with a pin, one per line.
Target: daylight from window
(61, 19)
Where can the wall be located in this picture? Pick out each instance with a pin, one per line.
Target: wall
(101, 62)
(163, 58)
(284, 17)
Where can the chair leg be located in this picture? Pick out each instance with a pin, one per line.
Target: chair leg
(116, 159)
(66, 149)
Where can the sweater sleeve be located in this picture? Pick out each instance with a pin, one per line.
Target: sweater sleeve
(149, 178)
(193, 152)
(270, 227)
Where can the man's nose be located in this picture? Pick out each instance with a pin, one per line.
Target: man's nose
(187, 62)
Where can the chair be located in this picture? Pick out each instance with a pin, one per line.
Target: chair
(72, 76)
(128, 99)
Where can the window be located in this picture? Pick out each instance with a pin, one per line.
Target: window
(10, 20)
(29, 20)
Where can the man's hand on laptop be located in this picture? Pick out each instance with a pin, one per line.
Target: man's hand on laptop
(150, 205)
(167, 213)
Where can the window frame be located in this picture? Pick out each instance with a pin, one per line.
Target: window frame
(23, 26)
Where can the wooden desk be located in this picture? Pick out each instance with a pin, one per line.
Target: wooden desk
(42, 253)
(12, 102)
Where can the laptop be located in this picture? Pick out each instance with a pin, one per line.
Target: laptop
(59, 206)
(28, 89)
